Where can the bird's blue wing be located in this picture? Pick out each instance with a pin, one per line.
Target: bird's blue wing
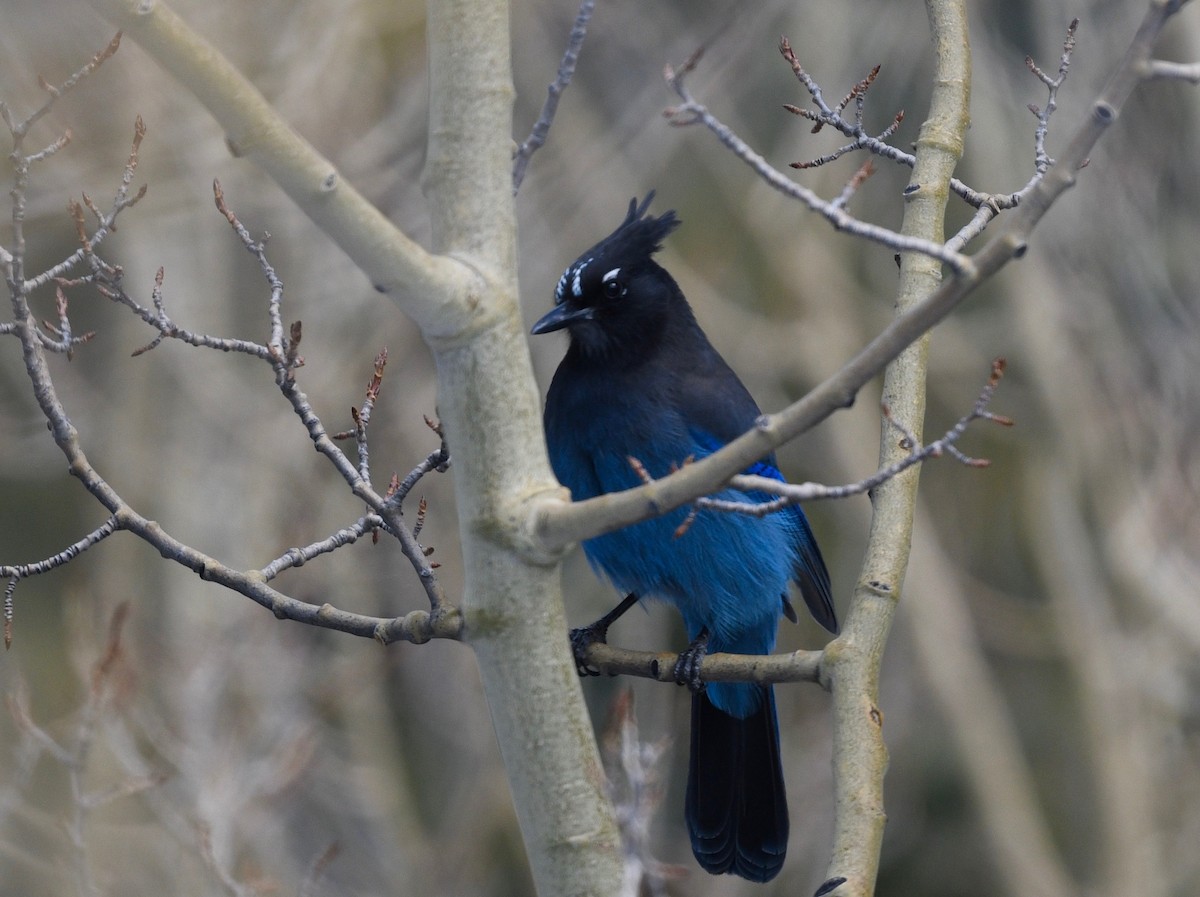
(809, 571)
(717, 409)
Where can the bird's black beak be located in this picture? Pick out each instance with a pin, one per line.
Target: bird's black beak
(561, 316)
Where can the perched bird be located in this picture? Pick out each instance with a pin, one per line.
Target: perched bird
(641, 380)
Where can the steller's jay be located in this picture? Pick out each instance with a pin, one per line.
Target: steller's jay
(641, 380)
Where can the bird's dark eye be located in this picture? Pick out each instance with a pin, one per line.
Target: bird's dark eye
(613, 289)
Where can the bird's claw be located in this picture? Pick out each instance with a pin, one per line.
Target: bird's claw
(597, 633)
(581, 640)
(687, 667)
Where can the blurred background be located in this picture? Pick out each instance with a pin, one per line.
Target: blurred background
(1041, 686)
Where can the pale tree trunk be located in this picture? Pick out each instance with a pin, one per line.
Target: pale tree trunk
(489, 401)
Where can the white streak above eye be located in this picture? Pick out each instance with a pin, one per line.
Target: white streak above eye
(576, 285)
(611, 275)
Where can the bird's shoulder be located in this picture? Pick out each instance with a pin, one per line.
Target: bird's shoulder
(712, 398)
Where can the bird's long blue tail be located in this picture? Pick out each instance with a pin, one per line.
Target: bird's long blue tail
(736, 807)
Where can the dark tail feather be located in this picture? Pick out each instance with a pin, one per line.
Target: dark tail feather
(736, 805)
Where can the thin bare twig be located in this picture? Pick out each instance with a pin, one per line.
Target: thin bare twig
(694, 112)
(788, 494)
(13, 259)
(108, 282)
(362, 416)
(297, 557)
(106, 223)
(60, 338)
(438, 460)
(16, 572)
(993, 205)
(280, 351)
(21, 128)
(1042, 160)
(280, 354)
(566, 69)
(860, 177)
(987, 204)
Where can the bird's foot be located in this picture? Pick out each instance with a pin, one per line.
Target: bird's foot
(581, 640)
(687, 667)
(597, 633)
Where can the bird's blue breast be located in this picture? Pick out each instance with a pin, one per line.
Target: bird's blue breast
(727, 573)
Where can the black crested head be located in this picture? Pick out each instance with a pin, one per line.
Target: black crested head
(615, 295)
(636, 239)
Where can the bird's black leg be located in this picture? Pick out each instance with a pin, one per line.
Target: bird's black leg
(586, 636)
(687, 667)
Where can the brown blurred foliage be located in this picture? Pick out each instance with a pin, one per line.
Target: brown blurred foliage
(259, 745)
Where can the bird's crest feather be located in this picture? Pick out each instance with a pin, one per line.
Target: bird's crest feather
(637, 238)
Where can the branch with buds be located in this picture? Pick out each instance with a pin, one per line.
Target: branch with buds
(384, 512)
